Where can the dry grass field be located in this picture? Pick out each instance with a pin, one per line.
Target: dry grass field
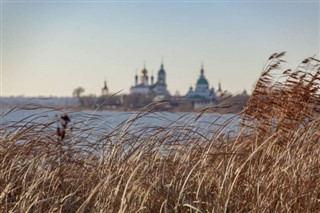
(271, 165)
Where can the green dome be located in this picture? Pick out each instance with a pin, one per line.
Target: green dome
(202, 80)
(161, 71)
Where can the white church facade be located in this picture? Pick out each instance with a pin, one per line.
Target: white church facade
(144, 86)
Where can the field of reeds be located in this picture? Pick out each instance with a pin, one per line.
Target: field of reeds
(272, 164)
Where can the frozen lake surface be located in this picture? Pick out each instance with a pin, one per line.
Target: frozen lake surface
(103, 122)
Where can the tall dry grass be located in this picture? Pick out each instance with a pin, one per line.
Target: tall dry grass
(271, 165)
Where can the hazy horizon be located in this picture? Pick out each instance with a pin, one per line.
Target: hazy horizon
(51, 47)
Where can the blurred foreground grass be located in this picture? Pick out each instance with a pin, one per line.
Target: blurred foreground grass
(272, 164)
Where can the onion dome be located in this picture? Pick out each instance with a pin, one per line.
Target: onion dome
(144, 72)
(202, 79)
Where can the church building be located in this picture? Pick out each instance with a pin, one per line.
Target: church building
(145, 87)
(202, 92)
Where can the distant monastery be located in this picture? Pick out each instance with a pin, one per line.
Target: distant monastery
(201, 96)
(148, 89)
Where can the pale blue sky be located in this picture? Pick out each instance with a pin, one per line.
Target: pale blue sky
(52, 47)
